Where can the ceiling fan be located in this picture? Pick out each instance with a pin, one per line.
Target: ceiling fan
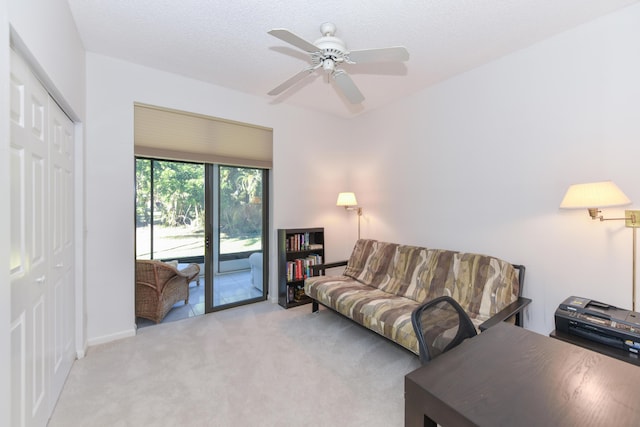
(329, 53)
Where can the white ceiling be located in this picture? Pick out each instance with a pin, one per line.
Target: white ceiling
(226, 42)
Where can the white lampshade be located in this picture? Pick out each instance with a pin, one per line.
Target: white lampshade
(347, 199)
(594, 195)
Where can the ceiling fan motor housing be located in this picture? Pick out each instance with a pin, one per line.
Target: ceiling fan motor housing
(329, 48)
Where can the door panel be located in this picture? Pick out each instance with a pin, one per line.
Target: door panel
(42, 249)
(62, 265)
(169, 210)
(29, 274)
(18, 371)
(18, 255)
(235, 230)
(39, 375)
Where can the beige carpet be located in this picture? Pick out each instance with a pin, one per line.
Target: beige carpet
(257, 365)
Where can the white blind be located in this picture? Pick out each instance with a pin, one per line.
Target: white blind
(177, 135)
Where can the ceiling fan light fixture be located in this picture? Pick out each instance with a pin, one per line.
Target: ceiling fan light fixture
(328, 65)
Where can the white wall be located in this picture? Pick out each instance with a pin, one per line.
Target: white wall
(481, 162)
(45, 31)
(307, 174)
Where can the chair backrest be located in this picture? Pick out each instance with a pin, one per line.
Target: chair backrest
(440, 325)
(155, 273)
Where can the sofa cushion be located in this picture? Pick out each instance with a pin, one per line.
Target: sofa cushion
(484, 284)
(386, 314)
(371, 260)
(401, 277)
(361, 252)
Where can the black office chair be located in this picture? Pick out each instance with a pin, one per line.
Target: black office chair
(440, 325)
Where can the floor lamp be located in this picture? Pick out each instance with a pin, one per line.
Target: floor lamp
(348, 200)
(595, 195)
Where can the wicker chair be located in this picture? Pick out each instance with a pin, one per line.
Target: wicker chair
(159, 286)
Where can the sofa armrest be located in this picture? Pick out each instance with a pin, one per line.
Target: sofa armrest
(515, 308)
(320, 268)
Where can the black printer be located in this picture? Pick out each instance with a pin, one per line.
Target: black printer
(599, 322)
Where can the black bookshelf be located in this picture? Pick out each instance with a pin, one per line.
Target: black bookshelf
(298, 250)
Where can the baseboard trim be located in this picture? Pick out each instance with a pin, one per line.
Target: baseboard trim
(112, 337)
(81, 352)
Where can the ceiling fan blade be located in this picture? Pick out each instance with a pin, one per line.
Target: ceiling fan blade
(396, 53)
(297, 41)
(348, 87)
(291, 81)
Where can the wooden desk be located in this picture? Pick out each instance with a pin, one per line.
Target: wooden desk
(509, 376)
(618, 353)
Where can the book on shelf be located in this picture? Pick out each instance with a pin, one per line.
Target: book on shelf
(301, 242)
(300, 268)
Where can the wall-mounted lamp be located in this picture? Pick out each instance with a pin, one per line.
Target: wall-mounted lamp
(348, 200)
(595, 195)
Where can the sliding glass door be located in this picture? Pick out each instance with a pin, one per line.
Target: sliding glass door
(212, 215)
(236, 235)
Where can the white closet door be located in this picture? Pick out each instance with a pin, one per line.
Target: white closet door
(61, 276)
(41, 259)
(29, 252)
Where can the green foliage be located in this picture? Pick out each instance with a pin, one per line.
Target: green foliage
(143, 192)
(240, 201)
(178, 196)
(179, 192)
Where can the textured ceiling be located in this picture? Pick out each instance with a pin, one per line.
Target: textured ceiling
(226, 42)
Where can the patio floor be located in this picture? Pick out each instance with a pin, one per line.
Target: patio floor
(228, 289)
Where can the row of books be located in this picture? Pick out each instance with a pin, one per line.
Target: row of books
(301, 242)
(300, 268)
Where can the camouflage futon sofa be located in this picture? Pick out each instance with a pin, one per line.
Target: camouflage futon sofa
(384, 282)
